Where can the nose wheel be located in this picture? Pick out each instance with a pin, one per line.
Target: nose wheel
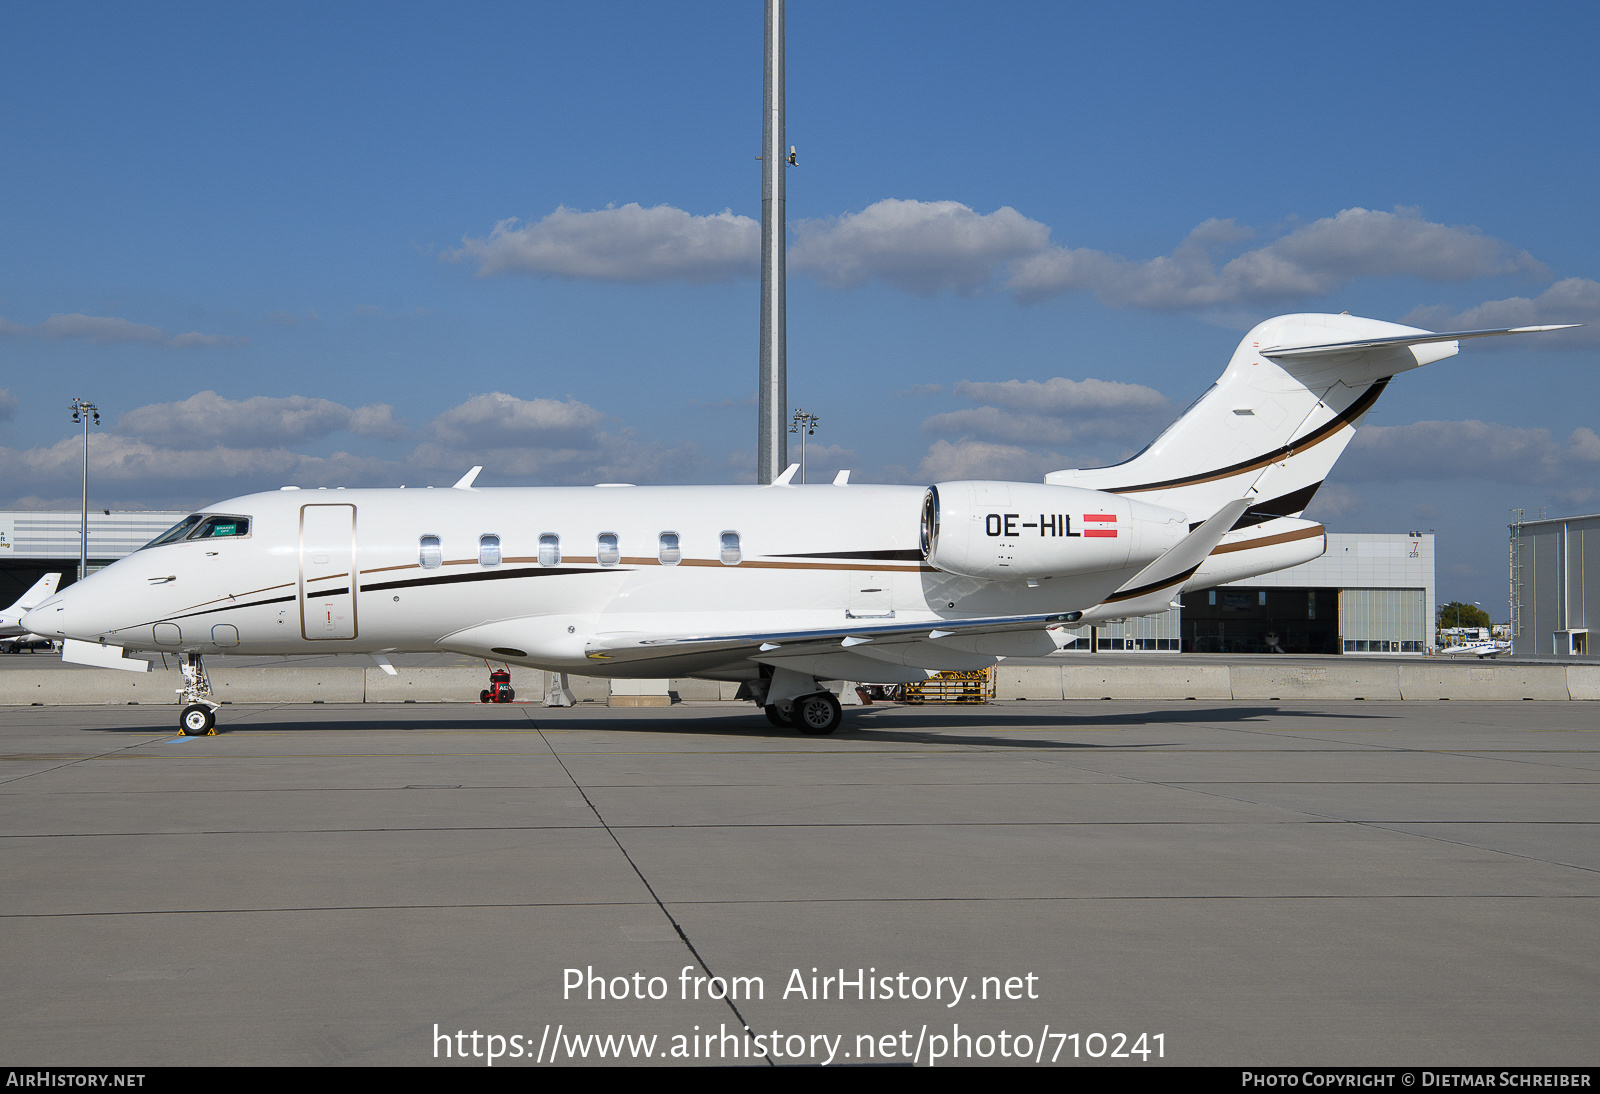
(198, 721)
(199, 716)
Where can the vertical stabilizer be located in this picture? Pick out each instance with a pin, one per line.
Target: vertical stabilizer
(1270, 428)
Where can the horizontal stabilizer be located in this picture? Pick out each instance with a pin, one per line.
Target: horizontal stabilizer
(1291, 353)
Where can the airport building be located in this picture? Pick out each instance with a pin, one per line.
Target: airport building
(1368, 593)
(1550, 562)
(38, 542)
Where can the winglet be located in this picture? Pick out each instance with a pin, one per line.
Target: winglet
(788, 475)
(465, 482)
(842, 478)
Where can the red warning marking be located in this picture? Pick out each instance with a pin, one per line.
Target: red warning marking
(1101, 516)
(1101, 533)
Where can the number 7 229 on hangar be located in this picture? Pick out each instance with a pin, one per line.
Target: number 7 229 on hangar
(778, 587)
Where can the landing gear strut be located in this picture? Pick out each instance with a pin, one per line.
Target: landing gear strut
(199, 717)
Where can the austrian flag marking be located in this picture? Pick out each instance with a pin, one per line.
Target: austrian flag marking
(1091, 519)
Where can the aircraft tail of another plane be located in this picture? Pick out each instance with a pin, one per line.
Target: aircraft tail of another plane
(42, 590)
(1273, 425)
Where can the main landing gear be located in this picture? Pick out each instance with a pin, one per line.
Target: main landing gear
(814, 715)
(199, 716)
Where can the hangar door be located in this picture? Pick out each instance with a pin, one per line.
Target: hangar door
(328, 578)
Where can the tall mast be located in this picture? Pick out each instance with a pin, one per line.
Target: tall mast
(772, 449)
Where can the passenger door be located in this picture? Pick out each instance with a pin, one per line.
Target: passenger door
(328, 577)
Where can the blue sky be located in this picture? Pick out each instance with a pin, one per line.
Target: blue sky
(264, 240)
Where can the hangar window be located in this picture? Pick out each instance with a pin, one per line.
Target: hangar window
(549, 549)
(607, 553)
(671, 553)
(429, 553)
(488, 550)
(731, 553)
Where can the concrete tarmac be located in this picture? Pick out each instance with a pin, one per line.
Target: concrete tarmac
(1222, 882)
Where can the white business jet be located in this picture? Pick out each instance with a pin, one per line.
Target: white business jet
(11, 618)
(1480, 650)
(777, 587)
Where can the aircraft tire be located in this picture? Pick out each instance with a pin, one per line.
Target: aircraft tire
(779, 718)
(818, 715)
(197, 720)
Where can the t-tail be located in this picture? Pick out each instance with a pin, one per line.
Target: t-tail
(1272, 426)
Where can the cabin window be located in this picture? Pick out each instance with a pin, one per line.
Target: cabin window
(607, 553)
(549, 549)
(488, 550)
(730, 549)
(671, 553)
(429, 553)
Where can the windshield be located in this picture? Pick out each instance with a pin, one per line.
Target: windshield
(201, 526)
(176, 532)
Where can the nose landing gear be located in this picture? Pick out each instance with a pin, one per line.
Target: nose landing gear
(199, 716)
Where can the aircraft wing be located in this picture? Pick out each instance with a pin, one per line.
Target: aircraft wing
(957, 636)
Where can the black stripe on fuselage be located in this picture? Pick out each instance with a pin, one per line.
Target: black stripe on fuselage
(412, 583)
(876, 556)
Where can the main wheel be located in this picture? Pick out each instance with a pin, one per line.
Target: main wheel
(817, 715)
(506, 695)
(197, 720)
(483, 696)
(779, 718)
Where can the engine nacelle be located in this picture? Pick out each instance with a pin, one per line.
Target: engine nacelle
(1018, 530)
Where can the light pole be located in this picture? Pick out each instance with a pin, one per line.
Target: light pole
(805, 425)
(82, 411)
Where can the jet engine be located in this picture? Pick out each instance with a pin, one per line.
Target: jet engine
(1016, 530)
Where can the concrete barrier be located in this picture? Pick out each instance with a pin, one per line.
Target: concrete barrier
(56, 687)
(1266, 680)
(1437, 680)
(1583, 681)
(1138, 682)
(1027, 682)
(639, 693)
(448, 685)
(1372, 680)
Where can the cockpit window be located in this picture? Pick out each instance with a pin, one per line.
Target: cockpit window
(203, 526)
(176, 532)
(219, 527)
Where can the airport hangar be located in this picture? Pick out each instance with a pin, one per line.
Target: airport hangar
(1550, 562)
(1369, 593)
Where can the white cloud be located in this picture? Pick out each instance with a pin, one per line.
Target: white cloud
(206, 419)
(1571, 300)
(967, 459)
(1471, 450)
(1057, 411)
(499, 420)
(1335, 502)
(110, 330)
(630, 243)
(923, 247)
(1310, 261)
